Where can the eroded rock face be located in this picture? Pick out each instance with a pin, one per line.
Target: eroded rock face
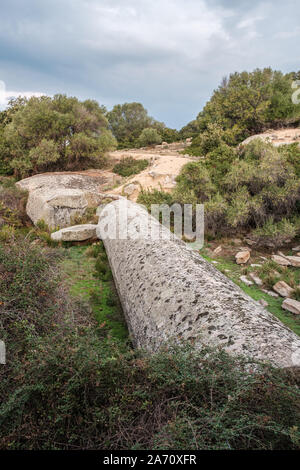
(75, 233)
(57, 198)
(169, 292)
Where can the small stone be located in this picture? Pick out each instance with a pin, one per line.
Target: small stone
(294, 261)
(296, 248)
(280, 260)
(242, 257)
(256, 279)
(217, 250)
(263, 302)
(246, 281)
(283, 289)
(271, 293)
(237, 241)
(292, 306)
(129, 190)
(249, 241)
(215, 262)
(255, 265)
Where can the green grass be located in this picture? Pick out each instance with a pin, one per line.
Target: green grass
(234, 271)
(84, 283)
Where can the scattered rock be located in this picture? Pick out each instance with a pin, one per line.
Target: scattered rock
(294, 261)
(250, 242)
(271, 293)
(255, 265)
(292, 306)
(215, 262)
(296, 248)
(217, 250)
(128, 190)
(280, 260)
(263, 302)
(256, 279)
(56, 198)
(237, 241)
(283, 289)
(75, 233)
(246, 281)
(242, 257)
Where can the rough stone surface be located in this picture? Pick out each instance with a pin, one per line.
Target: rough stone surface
(242, 257)
(58, 197)
(246, 281)
(280, 260)
(292, 306)
(283, 289)
(170, 292)
(294, 261)
(75, 233)
(256, 279)
(263, 302)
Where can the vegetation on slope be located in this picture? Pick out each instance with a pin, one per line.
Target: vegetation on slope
(248, 103)
(47, 134)
(69, 384)
(255, 189)
(130, 166)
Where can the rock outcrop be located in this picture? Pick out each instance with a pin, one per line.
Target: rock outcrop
(169, 292)
(56, 198)
(77, 233)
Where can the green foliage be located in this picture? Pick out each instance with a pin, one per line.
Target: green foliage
(154, 196)
(275, 234)
(12, 204)
(59, 133)
(127, 121)
(129, 166)
(250, 102)
(194, 183)
(68, 385)
(149, 136)
(256, 187)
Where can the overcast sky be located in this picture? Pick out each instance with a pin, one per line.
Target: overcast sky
(167, 54)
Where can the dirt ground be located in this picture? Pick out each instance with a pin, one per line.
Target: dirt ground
(165, 163)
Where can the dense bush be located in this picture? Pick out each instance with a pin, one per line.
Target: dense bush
(253, 101)
(149, 136)
(253, 188)
(12, 204)
(127, 122)
(59, 133)
(129, 166)
(67, 385)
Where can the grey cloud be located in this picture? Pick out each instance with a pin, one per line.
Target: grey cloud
(169, 55)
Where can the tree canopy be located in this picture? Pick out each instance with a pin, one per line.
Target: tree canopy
(43, 134)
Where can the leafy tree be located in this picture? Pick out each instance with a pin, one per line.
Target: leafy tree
(149, 136)
(250, 102)
(43, 134)
(127, 121)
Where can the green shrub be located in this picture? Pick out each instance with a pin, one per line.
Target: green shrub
(149, 136)
(129, 166)
(275, 234)
(154, 196)
(59, 133)
(67, 385)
